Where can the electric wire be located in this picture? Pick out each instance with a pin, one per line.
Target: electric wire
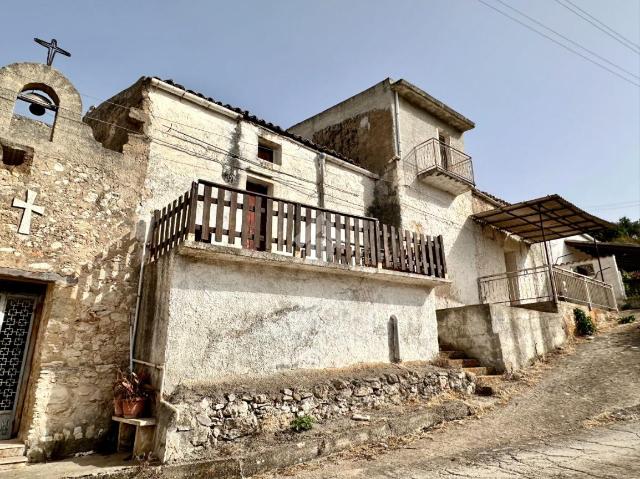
(575, 52)
(587, 17)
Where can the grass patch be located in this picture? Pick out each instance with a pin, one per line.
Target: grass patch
(584, 324)
(627, 319)
(302, 423)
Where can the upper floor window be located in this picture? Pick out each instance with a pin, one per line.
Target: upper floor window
(269, 151)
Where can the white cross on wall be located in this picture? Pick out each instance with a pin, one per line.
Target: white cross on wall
(29, 207)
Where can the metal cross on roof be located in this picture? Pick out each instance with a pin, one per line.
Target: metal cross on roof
(53, 49)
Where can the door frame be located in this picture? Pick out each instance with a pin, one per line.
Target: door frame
(27, 355)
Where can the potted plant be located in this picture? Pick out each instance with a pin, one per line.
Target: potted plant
(131, 392)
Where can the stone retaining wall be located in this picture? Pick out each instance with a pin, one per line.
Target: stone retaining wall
(210, 423)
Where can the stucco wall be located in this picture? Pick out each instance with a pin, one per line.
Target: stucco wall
(503, 337)
(190, 142)
(228, 318)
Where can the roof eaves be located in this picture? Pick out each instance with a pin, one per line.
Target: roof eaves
(248, 116)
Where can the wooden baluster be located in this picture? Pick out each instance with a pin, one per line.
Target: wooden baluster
(155, 234)
(385, 246)
(219, 214)
(280, 233)
(319, 231)
(328, 238)
(394, 249)
(206, 207)
(403, 250)
(367, 242)
(257, 228)
(290, 221)
(432, 264)
(410, 262)
(244, 230)
(436, 252)
(307, 232)
(442, 256)
(356, 240)
(268, 234)
(233, 208)
(297, 230)
(423, 255)
(347, 239)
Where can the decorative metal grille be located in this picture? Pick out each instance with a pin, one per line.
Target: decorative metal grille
(14, 335)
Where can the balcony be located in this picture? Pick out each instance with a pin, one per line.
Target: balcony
(442, 166)
(288, 231)
(536, 288)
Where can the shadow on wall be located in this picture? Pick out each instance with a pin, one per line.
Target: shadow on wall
(274, 281)
(83, 339)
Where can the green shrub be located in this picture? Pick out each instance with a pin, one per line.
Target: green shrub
(584, 325)
(302, 423)
(627, 319)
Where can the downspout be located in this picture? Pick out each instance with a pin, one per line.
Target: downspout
(134, 328)
(396, 114)
(322, 165)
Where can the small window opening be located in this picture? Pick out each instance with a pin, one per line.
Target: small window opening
(13, 156)
(269, 151)
(585, 269)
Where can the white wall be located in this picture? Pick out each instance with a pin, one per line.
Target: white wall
(244, 318)
(180, 154)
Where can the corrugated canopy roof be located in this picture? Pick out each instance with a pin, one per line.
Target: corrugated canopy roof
(547, 218)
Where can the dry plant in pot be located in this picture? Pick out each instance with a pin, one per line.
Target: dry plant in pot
(131, 392)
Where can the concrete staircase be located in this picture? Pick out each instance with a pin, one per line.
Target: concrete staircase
(12, 455)
(487, 381)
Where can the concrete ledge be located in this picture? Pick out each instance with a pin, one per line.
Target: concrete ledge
(211, 252)
(302, 448)
(36, 276)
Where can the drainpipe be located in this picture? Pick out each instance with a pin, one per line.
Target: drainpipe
(322, 165)
(396, 114)
(134, 328)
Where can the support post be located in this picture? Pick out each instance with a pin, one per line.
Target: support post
(595, 243)
(552, 282)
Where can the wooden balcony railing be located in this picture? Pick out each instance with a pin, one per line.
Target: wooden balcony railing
(434, 155)
(222, 215)
(533, 285)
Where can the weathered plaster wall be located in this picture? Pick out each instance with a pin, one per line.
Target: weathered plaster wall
(361, 127)
(87, 237)
(190, 142)
(251, 319)
(503, 337)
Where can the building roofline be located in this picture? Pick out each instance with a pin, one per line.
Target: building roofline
(434, 106)
(235, 112)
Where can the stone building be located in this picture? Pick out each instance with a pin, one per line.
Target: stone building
(221, 252)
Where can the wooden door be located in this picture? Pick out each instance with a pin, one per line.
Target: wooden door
(254, 229)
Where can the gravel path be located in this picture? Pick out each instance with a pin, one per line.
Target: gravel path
(602, 376)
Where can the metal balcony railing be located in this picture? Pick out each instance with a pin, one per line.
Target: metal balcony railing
(533, 285)
(436, 156)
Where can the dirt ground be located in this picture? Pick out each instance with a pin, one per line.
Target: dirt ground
(584, 402)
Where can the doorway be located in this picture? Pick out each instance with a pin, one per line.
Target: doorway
(256, 238)
(19, 305)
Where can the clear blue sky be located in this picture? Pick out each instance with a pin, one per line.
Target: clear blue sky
(546, 120)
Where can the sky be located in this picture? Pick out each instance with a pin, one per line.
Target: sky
(547, 121)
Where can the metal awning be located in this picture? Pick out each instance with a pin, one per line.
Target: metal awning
(543, 219)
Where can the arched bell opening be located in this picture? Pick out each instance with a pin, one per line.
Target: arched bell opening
(39, 102)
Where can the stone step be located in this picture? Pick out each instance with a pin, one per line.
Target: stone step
(463, 363)
(478, 370)
(9, 463)
(488, 385)
(11, 448)
(452, 354)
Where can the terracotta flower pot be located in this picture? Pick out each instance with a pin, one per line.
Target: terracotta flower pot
(133, 408)
(117, 407)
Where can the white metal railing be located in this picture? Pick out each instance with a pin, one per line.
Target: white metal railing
(436, 155)
(533, 285)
